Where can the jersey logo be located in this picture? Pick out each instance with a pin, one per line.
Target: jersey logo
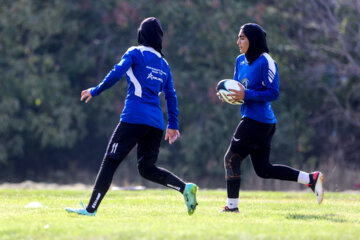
(245, 82)
(152, 77)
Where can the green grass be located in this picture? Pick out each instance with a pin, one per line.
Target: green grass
(161, 214)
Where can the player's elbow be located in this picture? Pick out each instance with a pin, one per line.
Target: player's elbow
(274, 95)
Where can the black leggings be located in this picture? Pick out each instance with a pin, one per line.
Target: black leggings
(253, 138)
(124, 138)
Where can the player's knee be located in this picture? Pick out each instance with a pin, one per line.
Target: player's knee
(145, 170)
(263, 172)
(142, 169)
(146, 165)
(232, 165)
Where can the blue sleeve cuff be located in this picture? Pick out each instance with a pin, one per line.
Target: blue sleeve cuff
(93, 92)
(248, 94)
(173, 126)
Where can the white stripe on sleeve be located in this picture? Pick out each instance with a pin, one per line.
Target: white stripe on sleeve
(272, 68)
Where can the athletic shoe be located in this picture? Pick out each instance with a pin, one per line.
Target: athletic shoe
(80, 211)
(190, 197)
(227, 209)
(316, 185)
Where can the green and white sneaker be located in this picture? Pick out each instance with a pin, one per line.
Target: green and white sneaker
(80, 211)
(190, 197)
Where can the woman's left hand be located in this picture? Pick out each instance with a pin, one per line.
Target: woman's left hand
(172, 135)
(237, 95)
(86, 94)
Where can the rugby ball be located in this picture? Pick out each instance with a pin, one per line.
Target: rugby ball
(223, 88)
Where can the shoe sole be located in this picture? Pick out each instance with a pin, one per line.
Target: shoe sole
(224, 211)
(193, 190)
(319, 189)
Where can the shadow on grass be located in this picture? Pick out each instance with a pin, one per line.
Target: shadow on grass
(327, 217)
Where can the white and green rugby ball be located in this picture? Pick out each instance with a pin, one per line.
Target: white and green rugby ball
(223, 88)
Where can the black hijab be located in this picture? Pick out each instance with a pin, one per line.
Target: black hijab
(257, 41)
(150, 34)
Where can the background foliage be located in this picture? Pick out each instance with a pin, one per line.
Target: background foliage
(51, 50)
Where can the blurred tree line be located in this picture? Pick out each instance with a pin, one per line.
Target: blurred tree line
(51, 50)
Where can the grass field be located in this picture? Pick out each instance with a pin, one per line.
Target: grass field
(161, 214)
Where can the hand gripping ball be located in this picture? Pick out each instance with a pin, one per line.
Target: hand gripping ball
(223, 88)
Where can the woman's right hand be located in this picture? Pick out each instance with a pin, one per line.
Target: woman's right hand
(86, 94)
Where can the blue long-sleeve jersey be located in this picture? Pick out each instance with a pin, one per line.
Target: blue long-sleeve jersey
(261, 82)
(147, 74)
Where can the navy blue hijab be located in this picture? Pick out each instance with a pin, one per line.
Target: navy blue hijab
(150, 34)
(257, 41)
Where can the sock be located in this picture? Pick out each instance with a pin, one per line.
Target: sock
(303, 178)
(232, 203)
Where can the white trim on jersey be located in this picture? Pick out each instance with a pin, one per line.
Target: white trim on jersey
(146, 48)
(133, 79)
(149, 49)
(272, 67)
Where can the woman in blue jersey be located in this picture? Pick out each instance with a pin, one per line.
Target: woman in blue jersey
(258, 78)
(141, 122)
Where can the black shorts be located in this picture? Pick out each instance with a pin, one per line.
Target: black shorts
(128, 135)
(252, 135)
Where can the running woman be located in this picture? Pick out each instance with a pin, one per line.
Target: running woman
(141, 122)
(258, 78)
